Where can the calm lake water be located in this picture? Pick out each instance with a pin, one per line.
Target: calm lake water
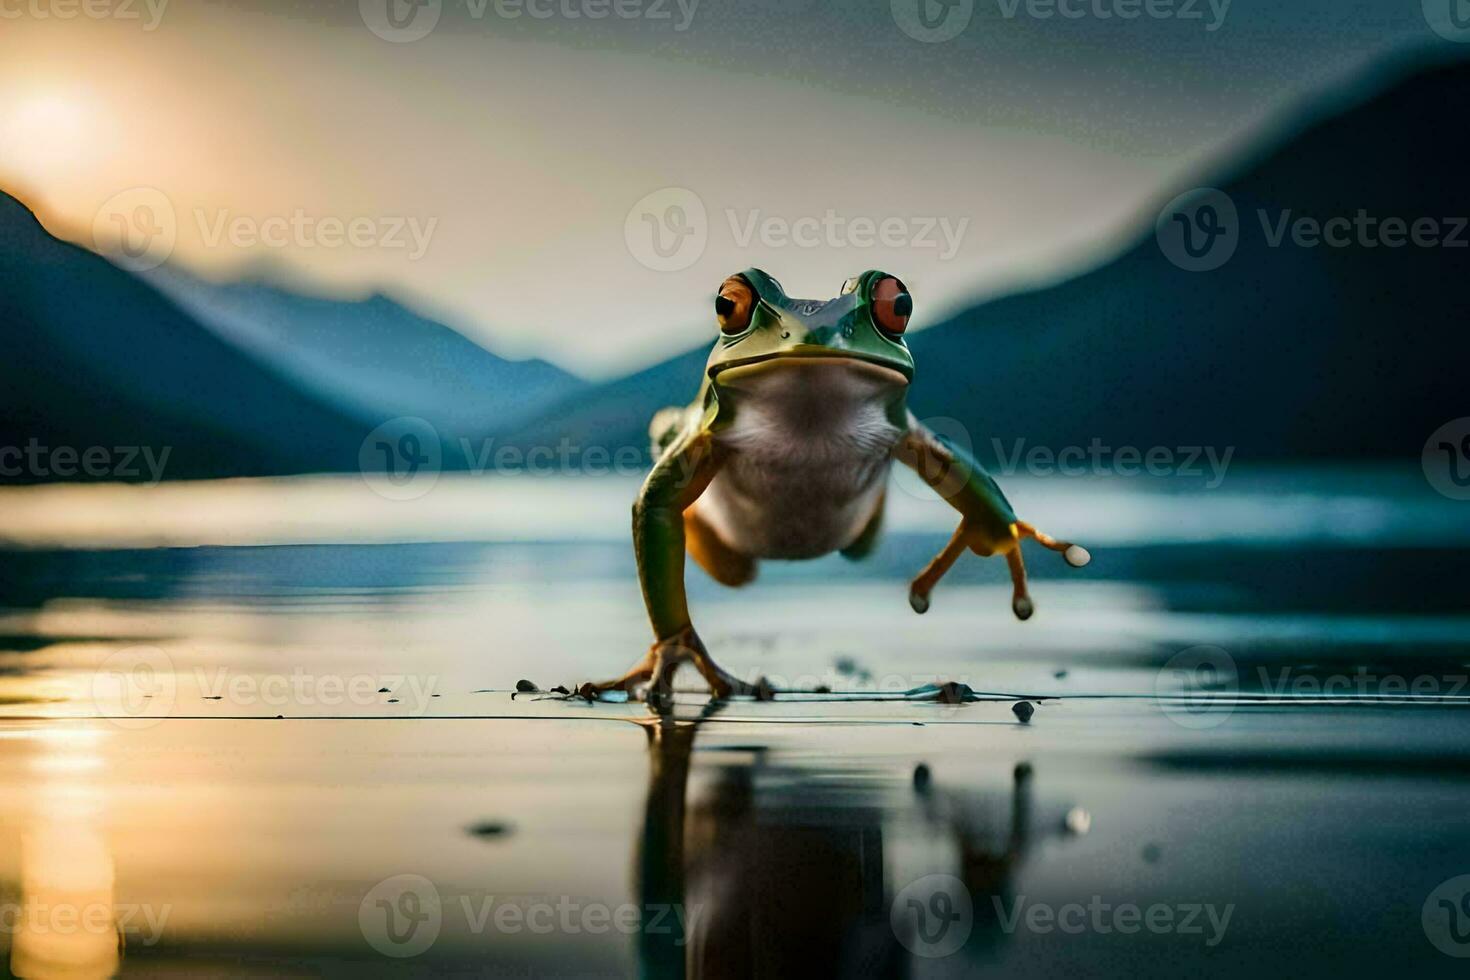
(265, 728)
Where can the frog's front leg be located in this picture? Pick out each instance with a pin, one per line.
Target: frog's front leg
(988, 526)
(677, 480)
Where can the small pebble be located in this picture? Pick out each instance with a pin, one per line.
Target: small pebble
(821, 689)
(846, 665)
(392, 700)
(489, 828)
(1023, 710)
(384, 690)
(922, 777)
(953, 692)
(1060, 675)
(526, 687)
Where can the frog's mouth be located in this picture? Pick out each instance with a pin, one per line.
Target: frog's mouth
(732, 372)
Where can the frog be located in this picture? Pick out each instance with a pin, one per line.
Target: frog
(786, 453)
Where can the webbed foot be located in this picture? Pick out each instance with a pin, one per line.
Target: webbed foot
(657, 668)
(1021, 603)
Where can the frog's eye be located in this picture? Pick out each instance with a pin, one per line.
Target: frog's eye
(891, 305)
(734, 304)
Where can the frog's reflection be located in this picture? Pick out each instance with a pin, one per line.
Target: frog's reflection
(762, 870)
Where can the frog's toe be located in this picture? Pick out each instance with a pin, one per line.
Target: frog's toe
(1075, 555)
(918, 602)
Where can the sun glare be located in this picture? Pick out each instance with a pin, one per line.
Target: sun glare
(42, 134)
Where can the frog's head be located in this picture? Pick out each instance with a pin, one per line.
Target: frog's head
(761, 327)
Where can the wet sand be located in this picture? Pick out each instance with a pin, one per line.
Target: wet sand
(1295, 805)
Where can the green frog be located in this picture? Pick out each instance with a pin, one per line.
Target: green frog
(785, 454)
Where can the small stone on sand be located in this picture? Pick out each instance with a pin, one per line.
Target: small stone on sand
(1023, 710)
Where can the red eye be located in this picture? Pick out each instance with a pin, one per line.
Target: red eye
(892, 305)
(734, 305)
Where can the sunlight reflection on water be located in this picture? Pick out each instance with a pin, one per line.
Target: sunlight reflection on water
(1259, 505)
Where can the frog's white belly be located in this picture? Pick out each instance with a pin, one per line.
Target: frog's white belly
(809, 454)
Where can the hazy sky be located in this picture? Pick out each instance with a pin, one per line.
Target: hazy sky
(491, 171)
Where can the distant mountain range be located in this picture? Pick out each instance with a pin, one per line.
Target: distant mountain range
(1283, 351)
(234, 379)
(374, 358)
(98, 361)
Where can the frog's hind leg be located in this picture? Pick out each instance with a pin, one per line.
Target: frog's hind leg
(723, 563)
(862, 546)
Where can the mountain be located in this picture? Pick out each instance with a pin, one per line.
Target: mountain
(373, 359)
(1282, 351)
(98, 360)
(616, 414)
